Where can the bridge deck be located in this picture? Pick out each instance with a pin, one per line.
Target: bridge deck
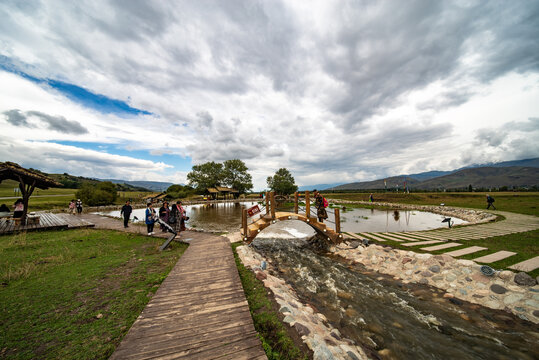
(199, 311)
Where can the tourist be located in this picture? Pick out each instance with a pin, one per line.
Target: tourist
(72, 207)
(177, 216)
(126, 212)
(150, 218)
(19, 208)
(4, 209)
(78, 205)
(371, 198)
(321, 212)
(490, 202)
(164, 213)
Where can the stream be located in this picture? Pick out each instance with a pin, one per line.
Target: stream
(391, 319)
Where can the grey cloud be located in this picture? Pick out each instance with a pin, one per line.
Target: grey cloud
(391, 53)
(205, 118)
(15, 117)
(489, 137)
(59, 123)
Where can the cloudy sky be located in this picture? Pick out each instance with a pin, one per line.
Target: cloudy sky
(335, 91)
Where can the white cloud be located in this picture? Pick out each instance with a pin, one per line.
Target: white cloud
(334, 91)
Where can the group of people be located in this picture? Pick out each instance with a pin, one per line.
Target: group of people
(75, 207)
(18, 208)
(321, 204)
(175, 216)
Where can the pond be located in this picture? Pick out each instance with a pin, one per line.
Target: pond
(227, 217)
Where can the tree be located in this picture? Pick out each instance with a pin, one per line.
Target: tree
(206, 175)
(177, 191)
(235, 176)
(282, 182)
(104, 193)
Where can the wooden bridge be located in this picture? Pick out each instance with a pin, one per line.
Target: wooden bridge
(271, 216)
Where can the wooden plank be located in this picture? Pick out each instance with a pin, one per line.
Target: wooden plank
(199, 311)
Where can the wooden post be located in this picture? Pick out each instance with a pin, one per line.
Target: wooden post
(272, 203)
(307, 204)
(244, 222)
(296, 202)
(267, 203)
(337, 221)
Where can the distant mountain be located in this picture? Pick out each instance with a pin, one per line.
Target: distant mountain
(422, 178)
(317, 187)
(484, 177)
(149, 185)
(391, 183)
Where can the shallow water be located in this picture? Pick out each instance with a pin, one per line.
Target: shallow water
(407, 321)
(227, 217)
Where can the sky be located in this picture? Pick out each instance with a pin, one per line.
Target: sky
(334, 91)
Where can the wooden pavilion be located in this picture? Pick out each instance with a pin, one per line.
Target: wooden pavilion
(224, 192)
(28, 181)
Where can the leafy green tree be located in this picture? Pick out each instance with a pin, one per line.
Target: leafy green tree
(177, 191)
(235, 175)
(282, 182)
(104, 193)
(206, 175)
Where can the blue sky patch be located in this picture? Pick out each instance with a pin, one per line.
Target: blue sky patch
(101, 103)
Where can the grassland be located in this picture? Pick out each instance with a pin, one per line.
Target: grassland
(74, 294)
(518, 202)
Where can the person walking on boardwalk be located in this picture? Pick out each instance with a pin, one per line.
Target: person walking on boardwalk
(490, 202)
(164, 213)
(150, 218)
(78, 204)
(126, 212)
(320, 204)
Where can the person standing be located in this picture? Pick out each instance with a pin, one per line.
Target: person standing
(78, 205)
(490, 202)
(126, 212)
(72, 207)
(371, 198)
(150, 218)
(321, 212)
(164, 213)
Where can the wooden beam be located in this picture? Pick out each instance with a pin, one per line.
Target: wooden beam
(296, 202)
(267, 203)
(244, 222)
(307, 204)
(272, 203)
(337, 221)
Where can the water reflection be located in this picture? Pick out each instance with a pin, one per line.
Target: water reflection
(227, 217)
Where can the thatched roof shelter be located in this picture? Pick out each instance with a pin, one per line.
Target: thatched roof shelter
(28, 180)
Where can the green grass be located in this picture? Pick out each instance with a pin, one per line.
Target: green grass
(56, 284)
(525, 244)
(271, 331)
(518, 202)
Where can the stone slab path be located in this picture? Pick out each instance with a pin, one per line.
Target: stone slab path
(513, 223)
(528, 265)
(497, 256)
(198, 312)
(427, 242)
(465, 251)
(441, 247)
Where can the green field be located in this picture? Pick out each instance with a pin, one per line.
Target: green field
(74, 294)
(518, 202)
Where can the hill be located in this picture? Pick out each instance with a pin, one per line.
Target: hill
(391, 183)
(149, 185)
(484, 177)
(317, 187)
(76, 182)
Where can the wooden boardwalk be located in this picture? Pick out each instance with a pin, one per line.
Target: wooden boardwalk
(198, 312)
(47, 221)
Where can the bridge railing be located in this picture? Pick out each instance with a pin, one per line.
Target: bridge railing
(271, 208)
